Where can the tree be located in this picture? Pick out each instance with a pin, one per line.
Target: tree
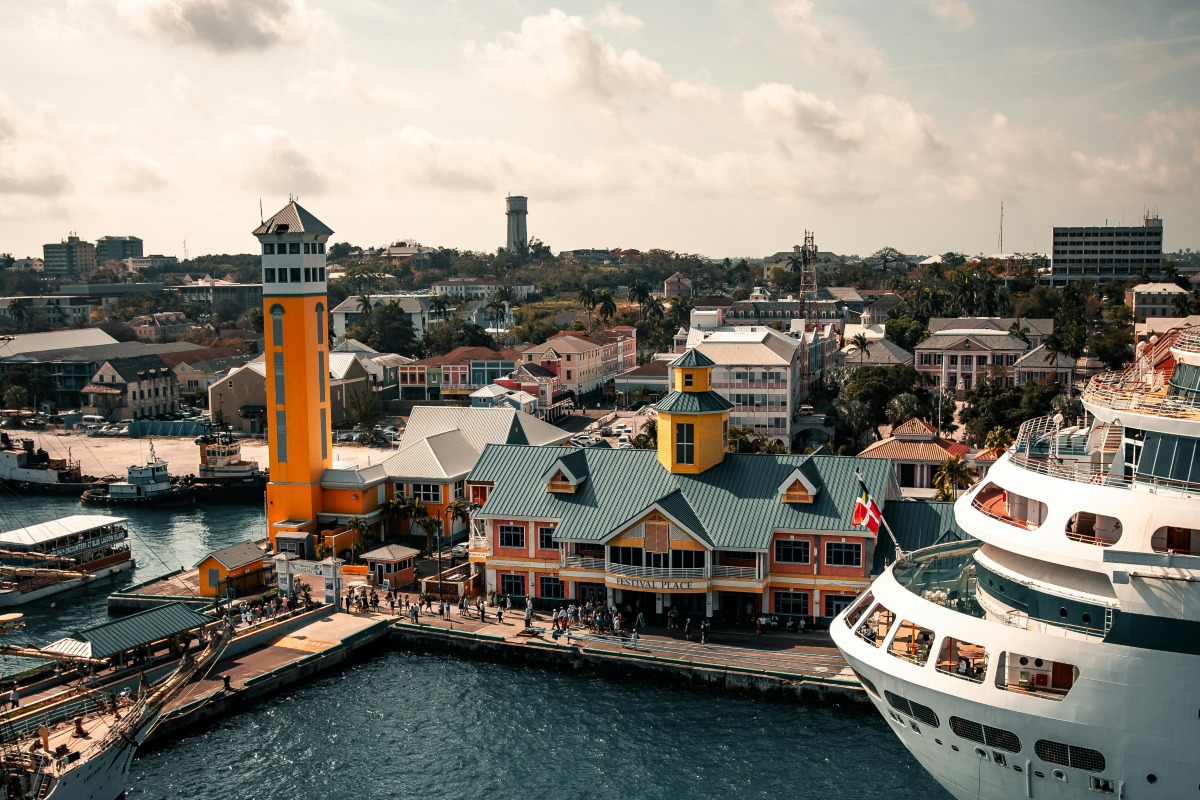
(607, 305)
(998, 440)
(1182, 304)
(862, 344)
(36, 383)
(439, 304)
(387, 329)
(15, 397)
(496, 311)
(364, 305)
(118, 330)
(885, 258)
(639, 292)
(362, 409)
(19, 311)
(1112, 345)
(951, 476)
(903, 407)
(401, 508)
(587, 299)
(652, 309)
(458, 511)
(851, 420)
(339, 250)
(430, 525)
(358, 526)
(905, 331)
(454, 333)
(681, 311)
(647, 439)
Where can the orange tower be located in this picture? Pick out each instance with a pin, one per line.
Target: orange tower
(295, 311)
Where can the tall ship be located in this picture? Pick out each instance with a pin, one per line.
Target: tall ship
(87, 755)
(31, 469)
(223, 473)
(51, 557)
(148, 484)
(1056, 654)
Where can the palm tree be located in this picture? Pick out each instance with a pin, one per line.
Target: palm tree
(457, 511)
(681, 311)
(441, 304)
(18, 309)
(902, 408)
(402, 507)
(587, 299)
(1183, 305)
(608, 306)
(358, 526)
(998, 440)
(861, 343)
(652, 309)
(639, 292)
(951, 476)
(497, 311)
(364, 304)
(1020, 331)
(430, 525)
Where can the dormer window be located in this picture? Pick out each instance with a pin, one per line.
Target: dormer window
(797, 493)
(560, 484)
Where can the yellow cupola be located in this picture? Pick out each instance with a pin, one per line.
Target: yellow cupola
(693, 420)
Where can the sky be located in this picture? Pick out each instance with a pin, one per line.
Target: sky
(719, 127)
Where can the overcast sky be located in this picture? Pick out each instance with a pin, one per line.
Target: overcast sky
(722, 127)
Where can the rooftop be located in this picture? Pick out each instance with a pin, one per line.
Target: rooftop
(292, 218)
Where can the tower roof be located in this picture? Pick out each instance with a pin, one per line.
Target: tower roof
(693, 358)
(292, 218)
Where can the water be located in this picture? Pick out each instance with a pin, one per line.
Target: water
(430, 725)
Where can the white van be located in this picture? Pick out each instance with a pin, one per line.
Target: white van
(93, 419)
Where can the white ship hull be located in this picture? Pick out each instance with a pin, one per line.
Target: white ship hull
(1138, 708)
(13, 597)
(102, 778)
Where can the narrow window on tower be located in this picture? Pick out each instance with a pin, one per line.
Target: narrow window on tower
(321, 376)
(268, 249)
(277, 326)
(281, 436)
(279, 373)
(324, 430)
(269, 275)
(321, 248)
(320, 323)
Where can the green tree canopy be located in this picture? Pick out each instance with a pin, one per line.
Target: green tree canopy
(388, 329)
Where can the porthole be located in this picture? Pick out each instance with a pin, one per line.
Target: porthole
(1087, 618)
(1151, 778)
(1039, 773)
(1037, 662)
(980, 752)
(1025, 663)
(1062, 612)
(954, 747)
(939, 741)
(1059, 775)
(1017, 768)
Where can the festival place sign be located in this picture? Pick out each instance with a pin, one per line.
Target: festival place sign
(655, 585)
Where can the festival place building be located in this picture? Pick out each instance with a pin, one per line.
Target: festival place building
(690, 526)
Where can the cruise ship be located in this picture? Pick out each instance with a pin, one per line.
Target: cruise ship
(1057, 653)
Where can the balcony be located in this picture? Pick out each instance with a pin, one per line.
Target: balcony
(738, 573)
(1009, 508)
(660, 573)
(582, 562)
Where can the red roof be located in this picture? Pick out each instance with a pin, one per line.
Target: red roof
(461, 355)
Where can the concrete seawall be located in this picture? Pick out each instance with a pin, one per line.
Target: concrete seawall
(645, 666)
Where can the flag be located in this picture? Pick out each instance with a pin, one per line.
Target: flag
(866, 512)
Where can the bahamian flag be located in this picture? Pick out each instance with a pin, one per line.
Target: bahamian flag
(866, 512)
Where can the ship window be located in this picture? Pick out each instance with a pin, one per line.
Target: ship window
(1009, 507)
(1035, 676)
(867, 684)
(912, 643)
(962, 659)
(997, 738)
(1177, 539)
(1068, 755)
(912, 709)
(1098, 529)
(860, 608)
(876, 627)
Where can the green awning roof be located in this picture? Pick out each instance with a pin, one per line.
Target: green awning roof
(126, 633)
(693, 403)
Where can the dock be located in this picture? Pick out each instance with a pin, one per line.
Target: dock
(180, 586)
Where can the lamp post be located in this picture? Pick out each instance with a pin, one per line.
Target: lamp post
(441, 530)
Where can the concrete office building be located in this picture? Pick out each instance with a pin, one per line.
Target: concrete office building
(117, 248)
(69, 259)
(1106, 253)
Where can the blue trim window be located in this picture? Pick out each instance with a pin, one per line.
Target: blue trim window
(512, 536)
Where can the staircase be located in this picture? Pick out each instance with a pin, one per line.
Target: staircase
(1085, 526)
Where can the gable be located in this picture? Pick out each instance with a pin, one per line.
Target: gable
(656, 532)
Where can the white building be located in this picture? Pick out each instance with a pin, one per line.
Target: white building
(417, 306)
(1112, 252)
(461, 288)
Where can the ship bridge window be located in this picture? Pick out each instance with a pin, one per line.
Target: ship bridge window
(962, 659)
(875, 628)
(1009, 507)
(859, 608)
(1035, 676)
(912, 643)
(1176, 539)
(1098, 529)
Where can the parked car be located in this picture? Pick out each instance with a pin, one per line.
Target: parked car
(461, 549)
(624, 441)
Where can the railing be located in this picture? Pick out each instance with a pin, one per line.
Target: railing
(750, 385)
(1102, 392)
(1100, 477)
(1083, 538)
(1188, 341)
(986, 506)
(665, 573)
(745, 573)
(583, 562)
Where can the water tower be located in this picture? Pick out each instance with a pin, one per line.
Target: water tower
(518, 236)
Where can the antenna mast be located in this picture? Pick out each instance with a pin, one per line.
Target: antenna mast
(185, 255)
(1000, 243)
(808, 278)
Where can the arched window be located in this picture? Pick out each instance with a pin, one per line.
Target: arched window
(277, 326)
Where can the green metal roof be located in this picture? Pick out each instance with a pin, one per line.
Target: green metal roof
(693, 403)
(693, 358)
(917, 524)
(144, 627)
(734, 505)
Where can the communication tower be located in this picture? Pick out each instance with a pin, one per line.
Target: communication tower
(518, 236)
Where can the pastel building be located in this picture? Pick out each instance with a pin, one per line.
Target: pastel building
(688, 526)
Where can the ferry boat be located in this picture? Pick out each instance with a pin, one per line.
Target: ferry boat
(87, 755)
(51, 557)
(148, 484)
(223, 473)
(1057, 653)
(28, 469)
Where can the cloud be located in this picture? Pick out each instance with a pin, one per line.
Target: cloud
(132, 172)
(557, 57)
(342, 79)
(612, 16)
(956, 14)
(226, 26)
(33, 161)
(831, 41)
(267, 159)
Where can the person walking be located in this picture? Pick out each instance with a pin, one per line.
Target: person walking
(499, 615)
(687, 629)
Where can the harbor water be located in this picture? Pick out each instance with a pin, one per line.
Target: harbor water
(403, 724)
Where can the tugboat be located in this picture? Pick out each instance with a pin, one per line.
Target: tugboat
(223, 473)
(146, 484)
(33, 470)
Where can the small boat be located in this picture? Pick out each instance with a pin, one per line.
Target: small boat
(223, 473)
(88, 754)
(30, 469)
(51, 557)
(148, 484)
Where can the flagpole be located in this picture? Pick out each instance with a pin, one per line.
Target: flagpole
(891, 535)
